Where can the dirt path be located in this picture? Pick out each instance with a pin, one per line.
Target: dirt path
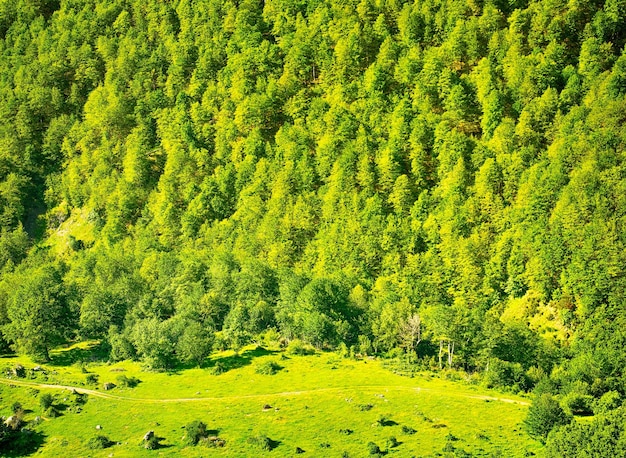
(104, 395)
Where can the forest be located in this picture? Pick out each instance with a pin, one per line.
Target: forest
(439, 181)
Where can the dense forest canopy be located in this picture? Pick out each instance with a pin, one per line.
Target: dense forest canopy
(444, 178)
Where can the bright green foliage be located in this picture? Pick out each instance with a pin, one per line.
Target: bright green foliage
(602, 437)
(544, 415)
(194, 431)
(324, 169)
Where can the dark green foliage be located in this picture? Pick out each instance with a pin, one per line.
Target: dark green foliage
(127, 382)
(194, 432)
(373, 449)
(91, 379)
(263, 442)
(218, 368)
(602, 437)
(392, 442)
(408, 430)
(52, 412)
(16, 407)
(99, 442)
(46, 400)
(268, 368)
(544, 415)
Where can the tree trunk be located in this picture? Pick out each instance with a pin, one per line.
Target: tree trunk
(440, 353)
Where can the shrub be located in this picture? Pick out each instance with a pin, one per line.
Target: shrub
(408, 430)
(578, 404)
(268, 368)
(297, 347)
(218, 368)
(609, 401)
(506, 374)
(543, 415)
(263, 442)
(16, 407)
(46, 400)
(91, 379)
(373, 449)
(343, 350)
(365, 407)
(99, 442)
(152, 443)
(392, 442)
(128, 382)
(195, 431)
(52, 412)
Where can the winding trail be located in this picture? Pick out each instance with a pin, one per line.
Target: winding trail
(103, 395)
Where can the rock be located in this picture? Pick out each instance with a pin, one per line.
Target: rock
(109, 386)
(37, 368)
(149, 435)
(267, 407)
(98, 427)
(37, 420)
(13, 422)
(299, 450)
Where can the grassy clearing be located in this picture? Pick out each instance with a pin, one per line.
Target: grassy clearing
(321, 403)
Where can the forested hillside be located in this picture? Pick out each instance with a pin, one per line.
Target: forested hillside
(444, 178)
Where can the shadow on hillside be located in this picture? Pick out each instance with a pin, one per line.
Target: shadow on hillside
(228, 363)
(25, 444)
(95, 352)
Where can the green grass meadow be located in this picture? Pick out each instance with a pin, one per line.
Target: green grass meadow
(321, 403)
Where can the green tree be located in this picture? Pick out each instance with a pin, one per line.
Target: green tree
(38, 308)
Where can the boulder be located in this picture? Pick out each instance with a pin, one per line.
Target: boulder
(109, 386)
(149, 435)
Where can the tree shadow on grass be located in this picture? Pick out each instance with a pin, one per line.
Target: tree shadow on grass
(92, 353)
(26, 443)
(228, 363)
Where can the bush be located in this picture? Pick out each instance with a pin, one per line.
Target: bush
(46, 400)
(297, 347)
(99, 442)
(392, 442)
(263, 442)
(218, 368)
(268, 368)
(152, 443)
(91, 379)
(544, 414)
(373, 449)
(578, 404)
(408, 430)
(16, 407)
(194, 432)
(128, 382)
(52, 412)
(609, 401)
(506, 374)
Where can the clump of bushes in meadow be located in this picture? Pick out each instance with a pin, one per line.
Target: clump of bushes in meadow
(268, 368)
(194, 432)
(99, 442)
(128, 382)
(297, 347)
(263, 442)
